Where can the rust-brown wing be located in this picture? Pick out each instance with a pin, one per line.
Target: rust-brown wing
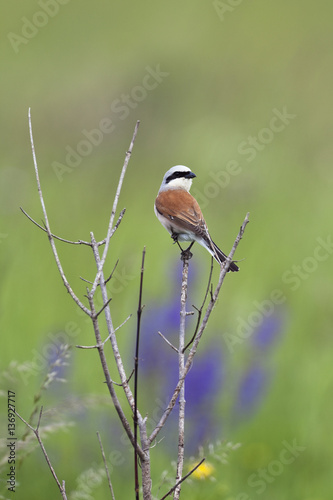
(179, 206)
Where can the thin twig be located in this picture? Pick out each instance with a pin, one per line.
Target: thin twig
(105, 465)
(111, 330)
(111, 274)
(129, 378)
(214, 295)
(136, 375)
(168, 342)
(109, 383)
(99, 279)
(79, 242)
(48, 230)
(104, 341)
(103, 307)
(202, 305)
(62, 488)
(114, 229)
(107, 280)
(113, 212)
(183, 479)
(181, 365)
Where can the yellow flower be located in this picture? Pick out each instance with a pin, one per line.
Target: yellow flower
(204, 471)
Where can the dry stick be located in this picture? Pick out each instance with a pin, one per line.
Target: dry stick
(36, 432)
(99, 279)
(145, 464)
(114, 229)
(214, 296)
(136, 374)
(106, 241)
(105, 465)
(167, 341)
(202, 305)
(104, 341)
(115, 400)
(111, 330)
(47, 227)
(108, 279)
(79, 242)
(181, 365)
(182, 479)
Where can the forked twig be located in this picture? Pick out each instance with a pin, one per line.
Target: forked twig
(109, 324)
(223, 270)
(79, 242)
(107, 279)
(61, 487)
(182, 479)
(104, 341)
(112, 272)
(91, 311)
(168, 342)
(109, 382)
(47, 226)
(114, 229)
(113, 212)
(202, 305)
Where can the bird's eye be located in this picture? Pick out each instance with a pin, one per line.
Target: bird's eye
(171, 217)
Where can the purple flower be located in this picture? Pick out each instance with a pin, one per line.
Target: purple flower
(158, 368)
(251, 390)
(268, 332)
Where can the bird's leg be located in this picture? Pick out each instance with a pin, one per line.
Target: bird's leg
(185, 254)
(189, 248)
(174, 236)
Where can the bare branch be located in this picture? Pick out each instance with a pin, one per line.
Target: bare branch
(168, 342)
(37, 434)
(108, 279)
(181, 366)
(104, 341)
(48, 230)
(136, 374)
(105, 465)
(114, 229)
(183, 479)
(129, 378)
(99, 278)
(214, 295)
(79, 242)
(104, 306)
(113, 270)
(202, 305)
(111, 330)
(114, 208)
(109, 383)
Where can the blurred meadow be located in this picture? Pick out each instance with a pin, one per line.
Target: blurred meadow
(241, 92)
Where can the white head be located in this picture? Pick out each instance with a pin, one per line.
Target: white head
(178, 177)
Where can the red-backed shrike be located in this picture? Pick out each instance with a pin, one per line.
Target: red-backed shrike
(180, 214)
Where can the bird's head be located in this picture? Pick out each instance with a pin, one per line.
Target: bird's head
(178, 177)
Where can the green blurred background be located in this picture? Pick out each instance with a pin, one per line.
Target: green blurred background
(224, 71)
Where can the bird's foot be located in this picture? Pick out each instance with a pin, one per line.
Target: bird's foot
(187, 254)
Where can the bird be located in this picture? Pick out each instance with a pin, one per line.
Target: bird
(179, 212)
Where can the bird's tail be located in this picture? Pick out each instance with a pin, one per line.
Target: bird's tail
(220, 256)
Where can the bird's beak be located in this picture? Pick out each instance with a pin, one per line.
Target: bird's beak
(190, 175)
